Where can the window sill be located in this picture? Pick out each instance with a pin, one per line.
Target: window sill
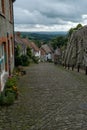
(11, 21)
(3, 15)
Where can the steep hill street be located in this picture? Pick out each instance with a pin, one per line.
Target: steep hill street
(50, 98)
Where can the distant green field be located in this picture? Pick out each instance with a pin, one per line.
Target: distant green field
(42, 37)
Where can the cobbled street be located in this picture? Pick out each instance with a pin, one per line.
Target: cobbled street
(50, 98)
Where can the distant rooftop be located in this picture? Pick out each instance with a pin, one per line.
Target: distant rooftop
(46, 48)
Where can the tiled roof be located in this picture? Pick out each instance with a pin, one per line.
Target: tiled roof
(30, 44)
(18, 40)
(46, 48)
(33, 45)
(26, 41)
(57, 52)
(42, 51)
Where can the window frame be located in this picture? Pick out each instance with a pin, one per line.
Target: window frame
(2, 58)
(3, 6)
(10, 11)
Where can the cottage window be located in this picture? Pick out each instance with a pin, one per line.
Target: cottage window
(1, 66)
(1, 51)
(2, 63)
(5, 56)
(3, 6)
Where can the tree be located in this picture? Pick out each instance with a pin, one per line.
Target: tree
(37, 42)
(17, 51)
(71, 30)
(25, 60)
(78, 26)
(17, 56)
(29, 53)
(22, 59)
(59, 42)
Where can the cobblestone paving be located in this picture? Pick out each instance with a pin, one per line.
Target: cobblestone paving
(51, 98)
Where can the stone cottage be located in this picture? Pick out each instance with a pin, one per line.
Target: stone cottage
(57, 56)
(19, 42)
(6, 41)
(34, 48)
(48, 52)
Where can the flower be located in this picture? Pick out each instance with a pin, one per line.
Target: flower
(15, 88)
(10, 77)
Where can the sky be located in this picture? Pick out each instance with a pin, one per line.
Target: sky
(49, 15)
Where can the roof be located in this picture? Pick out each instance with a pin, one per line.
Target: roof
(26, 41)
(19, 41)
(46, 48)
(57, 52)
(42, 51)
(32, 45)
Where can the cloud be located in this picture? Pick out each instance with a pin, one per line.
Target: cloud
(49, 14)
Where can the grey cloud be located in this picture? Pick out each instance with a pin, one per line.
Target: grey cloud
(49, 12)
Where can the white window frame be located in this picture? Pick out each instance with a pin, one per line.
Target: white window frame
(2, 61)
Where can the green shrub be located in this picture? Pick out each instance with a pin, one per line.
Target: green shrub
(35, 59)
(10, 98)
(7, 99)
(29, 53)
(12, 81)
(1, 98)
(18, 61)
(25, 60)
(12, 90)
(10, 93)
(7, 90)
(50, 60)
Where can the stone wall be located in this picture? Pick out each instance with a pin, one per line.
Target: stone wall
(76, 51)
(6, 24)
(6, 40)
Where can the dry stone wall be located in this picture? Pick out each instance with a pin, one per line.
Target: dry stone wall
(76, 51)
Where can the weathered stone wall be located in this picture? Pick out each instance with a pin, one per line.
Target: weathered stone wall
(6, 40)
(6, 25)
(76, 52)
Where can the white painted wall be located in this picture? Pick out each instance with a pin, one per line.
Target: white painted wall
(48, 56)
(38, 54)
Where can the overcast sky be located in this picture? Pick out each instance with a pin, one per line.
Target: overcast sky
(49, 15)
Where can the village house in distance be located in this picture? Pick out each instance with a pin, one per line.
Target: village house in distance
(6, 40)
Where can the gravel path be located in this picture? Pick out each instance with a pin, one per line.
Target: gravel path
(51, 98)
